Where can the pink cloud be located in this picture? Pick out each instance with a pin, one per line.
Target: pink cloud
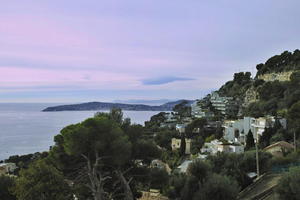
(35, 31)
(28, 77)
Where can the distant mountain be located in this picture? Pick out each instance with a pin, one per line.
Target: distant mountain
(107, 106)
(171, 104)
(155, 102)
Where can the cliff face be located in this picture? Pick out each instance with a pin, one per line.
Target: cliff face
(281, 76)
(251, 96)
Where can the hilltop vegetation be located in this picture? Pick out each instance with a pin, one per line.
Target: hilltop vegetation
(271, 97)
(287, 61)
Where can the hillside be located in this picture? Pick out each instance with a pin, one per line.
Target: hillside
(107, 106)
(274, 89)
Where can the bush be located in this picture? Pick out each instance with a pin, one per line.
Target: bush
(289, 185)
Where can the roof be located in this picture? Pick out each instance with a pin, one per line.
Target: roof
(282, 144)
(184, 166)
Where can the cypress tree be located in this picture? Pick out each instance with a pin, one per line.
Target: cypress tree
(250, 140)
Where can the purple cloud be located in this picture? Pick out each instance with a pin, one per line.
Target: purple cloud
(164, 80)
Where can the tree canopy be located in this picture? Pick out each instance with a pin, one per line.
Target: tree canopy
(42, 181)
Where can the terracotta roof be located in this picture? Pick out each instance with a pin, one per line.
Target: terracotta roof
(282, 144)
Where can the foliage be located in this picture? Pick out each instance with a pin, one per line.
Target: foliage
(280, 63)
(201, 183)
(172, 158)
(163, 138)
(42, 181)
(155, 121)
(238, 86)
(183, 109)
(238, 165)
(199, 169)
(249, 140)
(6, 188)
(23, 161)
(218, 187)
(182, 145)
(275, 97)
(289, 185)
(159, 179)
(197, 143)
(294, 116)
(101, 152)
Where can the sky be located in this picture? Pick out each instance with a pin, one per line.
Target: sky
(96, 50)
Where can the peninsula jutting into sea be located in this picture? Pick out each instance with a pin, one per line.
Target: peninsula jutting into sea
(107, 106)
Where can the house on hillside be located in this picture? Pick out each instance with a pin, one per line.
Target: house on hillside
(279, 149)
(216, 146)
(237, 130)
(224, 105)
(176, 144)
(184, 166)
(199, 111)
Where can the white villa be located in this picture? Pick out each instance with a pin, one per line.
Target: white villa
(237, 130)
(216, 146)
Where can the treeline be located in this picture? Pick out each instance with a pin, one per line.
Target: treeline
(287, 61)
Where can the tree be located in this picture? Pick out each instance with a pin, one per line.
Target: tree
(198, 173)
(250, 140)
(101, 152)
(294, 116)
(163, 138)
(218, 187)
(182, 145)
(105, 148)
(6, 188)
(158, 178)
(264, 140)
(183, 109)
(289, 185)
(200, 170)
(42, 182)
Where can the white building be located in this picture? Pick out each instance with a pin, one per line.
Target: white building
(222, 104)
(237, 130)
(184, 166)
(198, 112)
(216, 146)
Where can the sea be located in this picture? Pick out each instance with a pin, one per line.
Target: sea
(25, 129)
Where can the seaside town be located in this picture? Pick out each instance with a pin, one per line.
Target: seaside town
(149, 100)
(239, 142)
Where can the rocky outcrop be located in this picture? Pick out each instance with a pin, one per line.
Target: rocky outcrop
(251, 96)
(281, 76)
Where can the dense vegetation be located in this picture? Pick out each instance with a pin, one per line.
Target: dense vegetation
(287, 61)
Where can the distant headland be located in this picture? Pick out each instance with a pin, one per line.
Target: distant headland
(107, 106)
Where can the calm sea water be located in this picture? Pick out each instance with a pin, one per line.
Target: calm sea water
(25, 129)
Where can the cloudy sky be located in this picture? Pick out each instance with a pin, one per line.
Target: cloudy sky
(103, 50)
